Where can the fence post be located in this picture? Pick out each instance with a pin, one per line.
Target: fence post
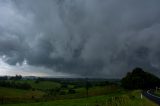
(2, 100)
(141, 96)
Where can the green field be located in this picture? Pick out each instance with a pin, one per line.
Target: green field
(13, 93)
(113, 99)
(50, 93)
(43, 85)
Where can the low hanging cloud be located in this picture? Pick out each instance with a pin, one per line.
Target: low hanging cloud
(99, 38)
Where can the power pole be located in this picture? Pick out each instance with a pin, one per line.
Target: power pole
(87, 87)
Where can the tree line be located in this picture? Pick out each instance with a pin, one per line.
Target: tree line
(6, 81)
(12, 84)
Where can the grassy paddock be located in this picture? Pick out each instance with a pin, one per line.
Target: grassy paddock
(113, 99)
(12, 95)
(15, 93)
(43, 85)
(45, 91)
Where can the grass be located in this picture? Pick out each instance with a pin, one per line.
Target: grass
(43, 85)
(98, 96)
(113, 99)
(13, 93)
(157, 92)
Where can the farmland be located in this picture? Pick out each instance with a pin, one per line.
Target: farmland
(70, 92)
(113, 99)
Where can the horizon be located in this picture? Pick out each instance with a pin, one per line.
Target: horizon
(62, 77)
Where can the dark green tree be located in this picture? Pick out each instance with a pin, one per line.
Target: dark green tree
(139, 79)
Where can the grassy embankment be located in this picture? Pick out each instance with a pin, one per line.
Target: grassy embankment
(157, 92)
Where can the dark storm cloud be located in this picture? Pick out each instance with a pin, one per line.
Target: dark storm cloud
(84, 37)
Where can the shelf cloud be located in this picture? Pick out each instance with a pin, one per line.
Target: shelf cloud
(97, 38)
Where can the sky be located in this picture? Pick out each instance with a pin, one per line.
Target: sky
(79, 38)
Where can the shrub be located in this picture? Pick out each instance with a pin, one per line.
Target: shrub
(71, 91)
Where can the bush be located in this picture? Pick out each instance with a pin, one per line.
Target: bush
(62, 93)
(64, 85)
(71, 91)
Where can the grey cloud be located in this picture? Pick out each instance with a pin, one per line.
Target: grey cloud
(95, 38)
